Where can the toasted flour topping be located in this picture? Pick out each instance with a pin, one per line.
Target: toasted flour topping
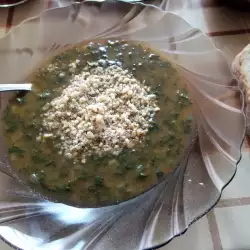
(103, 110)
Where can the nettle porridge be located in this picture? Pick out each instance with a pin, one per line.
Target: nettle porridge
(104, 123)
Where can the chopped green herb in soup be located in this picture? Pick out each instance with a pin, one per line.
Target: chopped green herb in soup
(104, 123)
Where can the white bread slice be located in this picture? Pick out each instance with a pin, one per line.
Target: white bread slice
(241, 70)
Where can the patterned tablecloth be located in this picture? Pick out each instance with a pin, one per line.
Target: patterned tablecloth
(226, 226)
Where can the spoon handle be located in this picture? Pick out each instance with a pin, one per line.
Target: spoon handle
(15, 87)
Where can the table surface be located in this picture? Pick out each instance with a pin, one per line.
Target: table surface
(226, 226)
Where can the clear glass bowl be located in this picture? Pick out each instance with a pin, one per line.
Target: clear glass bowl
(28, 221)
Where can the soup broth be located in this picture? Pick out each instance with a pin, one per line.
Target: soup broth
(106, 178)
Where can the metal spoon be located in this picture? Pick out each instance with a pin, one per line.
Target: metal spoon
(15, 87)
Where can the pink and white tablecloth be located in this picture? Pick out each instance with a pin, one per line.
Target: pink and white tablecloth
(226, 227)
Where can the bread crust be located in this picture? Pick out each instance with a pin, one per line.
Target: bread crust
(241, 70)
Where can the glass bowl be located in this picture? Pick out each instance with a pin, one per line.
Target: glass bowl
(28, 221)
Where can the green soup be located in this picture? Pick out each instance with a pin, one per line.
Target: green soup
(106, 179)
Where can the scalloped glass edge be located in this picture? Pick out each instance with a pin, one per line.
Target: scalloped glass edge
(171, 207)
